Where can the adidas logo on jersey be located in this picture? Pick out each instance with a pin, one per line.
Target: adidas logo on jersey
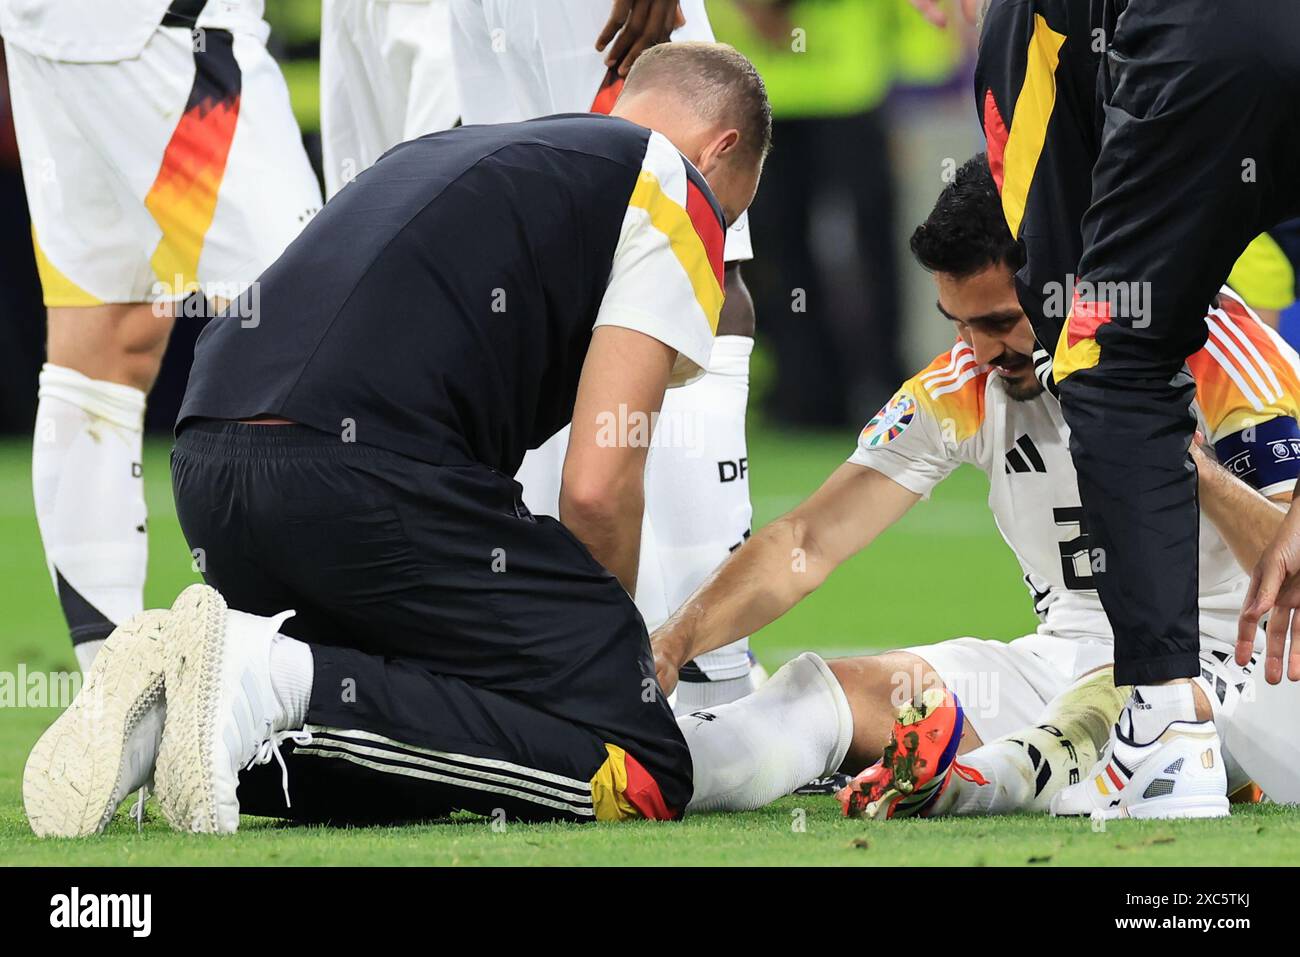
(1024, 457)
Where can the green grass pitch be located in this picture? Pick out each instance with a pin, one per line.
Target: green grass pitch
(943, 572)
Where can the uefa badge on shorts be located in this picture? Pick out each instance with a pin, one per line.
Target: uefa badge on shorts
(890, 421)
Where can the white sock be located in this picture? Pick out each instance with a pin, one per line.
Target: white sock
(746, 754)
(697, 695)
(1009, 782)
(292, 670)
(1022, 770)
(1153, 708)
(89, 494)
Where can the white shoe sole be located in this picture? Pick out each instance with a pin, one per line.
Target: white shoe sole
(1172, 808)
(1160, 809)
(75, 769)
(183, 778)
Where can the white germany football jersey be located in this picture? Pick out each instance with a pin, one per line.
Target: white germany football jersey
(955, 411)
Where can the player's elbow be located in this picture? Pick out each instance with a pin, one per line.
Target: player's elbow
(600, 500)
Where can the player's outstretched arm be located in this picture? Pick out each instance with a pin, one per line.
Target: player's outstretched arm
(602, 487)
(781, 564)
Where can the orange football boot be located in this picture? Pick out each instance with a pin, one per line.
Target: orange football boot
(916, 764)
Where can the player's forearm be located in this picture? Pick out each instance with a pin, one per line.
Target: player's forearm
(762, 580)
(1246, 519)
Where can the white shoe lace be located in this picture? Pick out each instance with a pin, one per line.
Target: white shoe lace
(137, 811)
(270, 747)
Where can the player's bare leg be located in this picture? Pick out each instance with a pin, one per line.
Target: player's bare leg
(908, 728)
(877, 686)
(122, 343)
(86, 461)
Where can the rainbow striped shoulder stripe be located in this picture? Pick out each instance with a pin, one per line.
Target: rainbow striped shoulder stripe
(950, 390)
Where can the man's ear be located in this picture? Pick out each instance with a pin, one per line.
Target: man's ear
(718, 149)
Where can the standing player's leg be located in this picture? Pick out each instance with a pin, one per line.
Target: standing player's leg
(386, 77)
(125, 213)
(477, 55)
(87, 476)
(103, 351)
(1195, 132)
(353, 79)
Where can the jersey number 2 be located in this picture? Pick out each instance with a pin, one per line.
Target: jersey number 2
(1072, 549)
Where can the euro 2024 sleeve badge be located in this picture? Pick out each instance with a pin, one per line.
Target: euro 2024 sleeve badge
(889, 423)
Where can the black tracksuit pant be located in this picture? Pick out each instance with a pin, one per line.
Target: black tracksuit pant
(467, 654)
(1197, 124)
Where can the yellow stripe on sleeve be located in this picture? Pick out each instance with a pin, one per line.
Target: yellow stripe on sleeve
(673, 221)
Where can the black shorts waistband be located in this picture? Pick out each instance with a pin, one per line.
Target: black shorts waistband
(249, 440)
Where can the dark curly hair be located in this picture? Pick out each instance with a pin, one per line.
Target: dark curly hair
(967, 231)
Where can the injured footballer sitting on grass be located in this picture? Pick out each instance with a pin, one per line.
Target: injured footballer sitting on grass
(987, 726)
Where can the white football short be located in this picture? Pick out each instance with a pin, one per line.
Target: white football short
(147, 176)
(518, 59)
(1004, 685)
(386, 76)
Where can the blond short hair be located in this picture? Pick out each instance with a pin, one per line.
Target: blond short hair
(717, 80)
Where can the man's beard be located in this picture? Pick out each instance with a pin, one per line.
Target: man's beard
(1023, 390)
(1023, 387)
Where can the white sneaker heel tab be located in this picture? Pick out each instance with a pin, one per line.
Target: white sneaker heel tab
(270, 748)
(248, 626)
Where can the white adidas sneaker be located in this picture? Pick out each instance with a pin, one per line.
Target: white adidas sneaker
(103, 747)
(222, 713)
(1179, 775)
